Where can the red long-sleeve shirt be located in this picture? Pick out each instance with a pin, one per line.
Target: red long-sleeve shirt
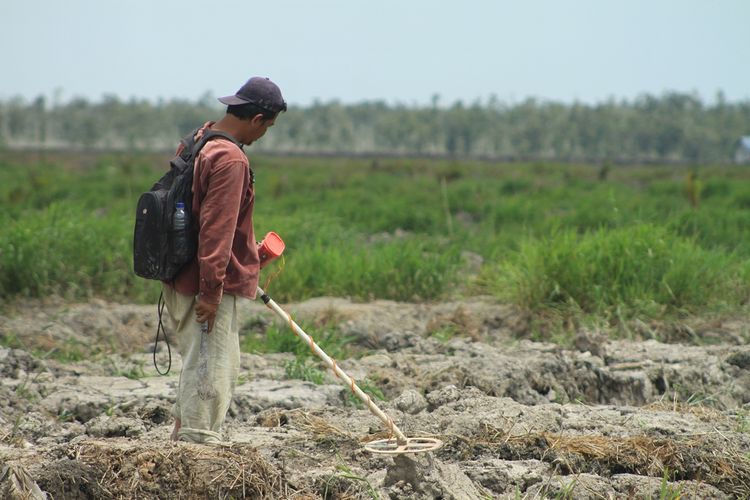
(223, 200)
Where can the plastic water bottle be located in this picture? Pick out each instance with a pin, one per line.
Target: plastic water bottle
(179, 224)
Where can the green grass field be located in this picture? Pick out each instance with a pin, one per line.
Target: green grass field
(574, 239)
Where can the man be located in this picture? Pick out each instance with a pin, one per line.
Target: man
(225, 271)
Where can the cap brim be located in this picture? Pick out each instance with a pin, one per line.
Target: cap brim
(232, 100)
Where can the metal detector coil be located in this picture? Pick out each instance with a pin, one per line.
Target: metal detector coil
(392, 446)
(412, 445)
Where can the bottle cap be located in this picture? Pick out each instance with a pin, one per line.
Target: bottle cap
(180, 205)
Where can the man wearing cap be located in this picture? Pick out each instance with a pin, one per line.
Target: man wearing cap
(226, 268)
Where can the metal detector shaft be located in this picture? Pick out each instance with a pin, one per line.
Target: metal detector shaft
(331, 363)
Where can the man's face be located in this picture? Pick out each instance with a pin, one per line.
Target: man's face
(257, 128)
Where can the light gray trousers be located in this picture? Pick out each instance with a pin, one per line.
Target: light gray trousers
(209, 371)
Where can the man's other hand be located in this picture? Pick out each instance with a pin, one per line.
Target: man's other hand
(205, 312)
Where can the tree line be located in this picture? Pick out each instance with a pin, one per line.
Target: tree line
(672, 127)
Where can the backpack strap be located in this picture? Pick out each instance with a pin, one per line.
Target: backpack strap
(210, 134)
(191, 147)
(188, 143)
(207, 136)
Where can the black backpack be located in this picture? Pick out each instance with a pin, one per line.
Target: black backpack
(160, 251)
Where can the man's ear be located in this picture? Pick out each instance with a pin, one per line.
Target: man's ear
(257, 120)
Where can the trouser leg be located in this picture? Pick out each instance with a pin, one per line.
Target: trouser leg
(201, 411)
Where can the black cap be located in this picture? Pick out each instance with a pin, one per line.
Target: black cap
(259, 91)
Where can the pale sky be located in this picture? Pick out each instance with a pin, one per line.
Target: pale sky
(397, 51)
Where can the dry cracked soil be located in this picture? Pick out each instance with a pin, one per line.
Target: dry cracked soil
(84, 415)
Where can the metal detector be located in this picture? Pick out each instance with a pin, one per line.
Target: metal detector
(396, 445)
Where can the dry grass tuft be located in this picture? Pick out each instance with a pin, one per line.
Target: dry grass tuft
(305, 422)
(125, 469)
(320, 427)
(703, 412)
(329, 316)
(16, 483)
(708, 458)
(272, 418)
(460, 322)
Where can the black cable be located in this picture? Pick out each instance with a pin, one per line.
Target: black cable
(159, 311)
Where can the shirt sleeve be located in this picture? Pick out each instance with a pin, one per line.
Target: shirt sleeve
(218, 220)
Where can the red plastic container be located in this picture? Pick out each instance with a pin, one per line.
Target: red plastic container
(270, 248)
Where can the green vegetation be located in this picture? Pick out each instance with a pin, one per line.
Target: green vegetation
(668, 491)
(133, 369)
(742, 419)
(636, 270)
(445, 332)
(279, 337)
(646, 242)
(305, 365)
(69, 351)
(367, 386)
(343, 471)
(566, 490)
(303, 368)
(11, 341)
